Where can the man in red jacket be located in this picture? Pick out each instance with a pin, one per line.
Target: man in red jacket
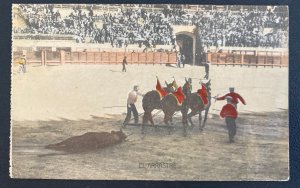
(230, 114)
(235, 97)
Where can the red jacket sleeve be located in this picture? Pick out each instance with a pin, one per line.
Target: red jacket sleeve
(222, 98)
(241, 99)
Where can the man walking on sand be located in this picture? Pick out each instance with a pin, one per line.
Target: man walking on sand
(206, 66)
(131, 100)
(235, 97)
(230, 114)
(124, 63)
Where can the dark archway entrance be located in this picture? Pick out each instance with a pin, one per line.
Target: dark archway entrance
(185, 43)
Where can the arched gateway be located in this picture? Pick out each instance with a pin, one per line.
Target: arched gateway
(186, 41)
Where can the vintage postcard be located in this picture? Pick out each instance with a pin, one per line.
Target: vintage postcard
(149, 92)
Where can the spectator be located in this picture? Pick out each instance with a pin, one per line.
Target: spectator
(252, 28)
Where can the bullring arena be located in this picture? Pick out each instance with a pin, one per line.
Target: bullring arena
(55, 100)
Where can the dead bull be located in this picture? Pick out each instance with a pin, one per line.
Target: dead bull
(89, 141)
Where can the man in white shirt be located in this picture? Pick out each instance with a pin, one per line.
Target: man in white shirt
(132, 98)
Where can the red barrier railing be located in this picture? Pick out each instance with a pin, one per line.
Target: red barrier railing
(249, 58)
(62, 57)
(117, 57)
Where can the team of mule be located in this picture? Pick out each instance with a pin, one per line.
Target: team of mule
(172, 99)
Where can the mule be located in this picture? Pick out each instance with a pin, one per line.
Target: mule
(176, 101)
(196, 104)
(151, 101)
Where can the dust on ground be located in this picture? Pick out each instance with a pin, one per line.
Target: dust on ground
(51, 104)
(259, 153)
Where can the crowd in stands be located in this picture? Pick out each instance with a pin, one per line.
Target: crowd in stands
(43, 19)
(243, 29)
(138, 26)
(146, 28)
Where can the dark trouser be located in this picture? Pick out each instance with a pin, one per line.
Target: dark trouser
(231, 126)
(132, 109)
(22, 68)
(124, 68)
(206, 76)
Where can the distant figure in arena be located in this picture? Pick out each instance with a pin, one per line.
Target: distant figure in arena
(235, 97)
(182, 59)
(22, 64)
(189, 80)
(131, 100)
(230, 114)
(206, 66)
(124, 63)
(178, 59)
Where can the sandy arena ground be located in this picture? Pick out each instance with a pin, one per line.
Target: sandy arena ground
(53, 103)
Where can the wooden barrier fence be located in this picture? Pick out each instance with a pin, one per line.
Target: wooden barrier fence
(62, 57)
(249, 58)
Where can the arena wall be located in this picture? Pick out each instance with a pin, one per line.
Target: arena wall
(62, 57)
(249, 58)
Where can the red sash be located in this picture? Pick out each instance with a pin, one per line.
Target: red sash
(203, 95)
(160, 90)
(179, 95)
